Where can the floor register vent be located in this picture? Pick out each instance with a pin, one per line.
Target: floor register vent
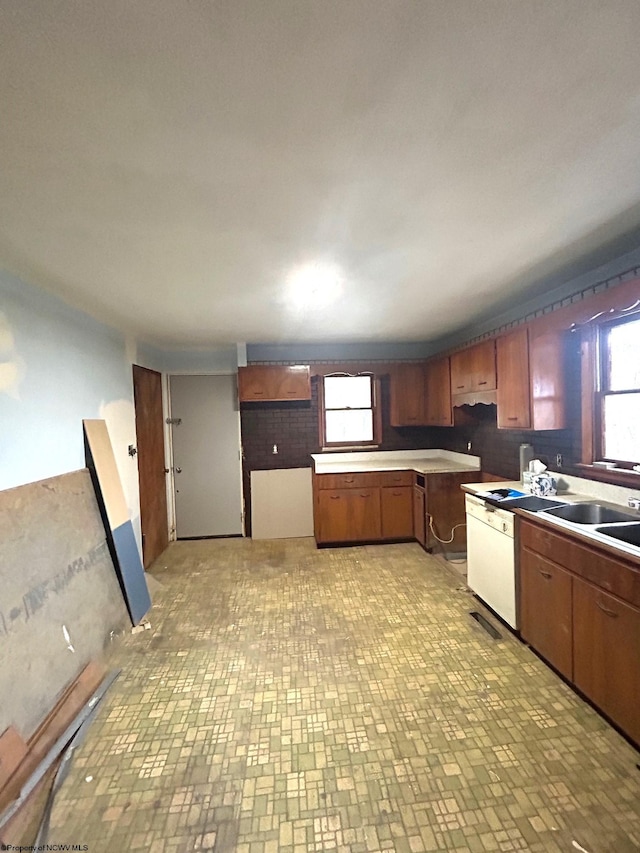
(484, 622)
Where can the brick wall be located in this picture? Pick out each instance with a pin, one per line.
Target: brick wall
(294, 428)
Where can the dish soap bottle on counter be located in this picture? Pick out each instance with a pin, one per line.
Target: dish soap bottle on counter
(526, 456)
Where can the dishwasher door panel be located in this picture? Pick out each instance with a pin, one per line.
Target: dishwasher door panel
(491, 568)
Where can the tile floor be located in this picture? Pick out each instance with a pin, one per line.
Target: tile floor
(288, 699)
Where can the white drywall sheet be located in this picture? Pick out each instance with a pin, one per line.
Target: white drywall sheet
(281, 504)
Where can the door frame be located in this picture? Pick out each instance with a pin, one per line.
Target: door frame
(135, 366)
(171, 494)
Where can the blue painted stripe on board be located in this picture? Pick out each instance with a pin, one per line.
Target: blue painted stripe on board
(131, 572)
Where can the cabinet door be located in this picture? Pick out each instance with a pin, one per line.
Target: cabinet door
(408, 395)
(606, 649)
(438, 386)
(397, 512)
(419, 519)
(547, 367)
(292, 383)
(512, 351)
(461, 371)
(483, 366)
(349, 515)
(545, 609)
(255, 383)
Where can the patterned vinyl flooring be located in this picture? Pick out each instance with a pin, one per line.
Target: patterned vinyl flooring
(288, 699)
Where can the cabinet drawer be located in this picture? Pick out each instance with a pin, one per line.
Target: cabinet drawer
(396, 478)
(347, 481)
(606, 572)
(546, 542)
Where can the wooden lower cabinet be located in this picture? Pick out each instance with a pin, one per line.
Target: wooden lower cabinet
(349, 515)
(419, 517)
(397, 512)
(606, 665)
(444, 505)
(545, 595)
(576, 616)
(363, 507)
(385, 506)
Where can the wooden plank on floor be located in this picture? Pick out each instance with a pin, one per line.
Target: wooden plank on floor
(61, 716)
(13, 751)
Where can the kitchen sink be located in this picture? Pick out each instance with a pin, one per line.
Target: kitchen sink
(630, 533)
(589, 514)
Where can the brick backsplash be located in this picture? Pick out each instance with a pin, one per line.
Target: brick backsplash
(294, 428)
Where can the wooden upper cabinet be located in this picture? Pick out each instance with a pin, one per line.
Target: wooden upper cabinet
(438, 387)
(461, 371)
(474, 368)
(530, 368)
(512, 355)
(547, 376)
(408, 395)
(273, 382)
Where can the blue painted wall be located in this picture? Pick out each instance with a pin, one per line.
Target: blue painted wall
(58, 366)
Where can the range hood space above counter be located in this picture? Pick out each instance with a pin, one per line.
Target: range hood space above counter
(474, 398)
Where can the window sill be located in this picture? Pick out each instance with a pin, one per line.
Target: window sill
(617, 476)
(347, 448)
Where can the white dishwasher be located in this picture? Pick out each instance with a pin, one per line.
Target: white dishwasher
(491, 557)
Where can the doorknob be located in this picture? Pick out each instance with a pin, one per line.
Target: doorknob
(178, 470)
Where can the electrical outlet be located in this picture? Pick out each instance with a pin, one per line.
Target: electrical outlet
(468, 445)
(559, 460)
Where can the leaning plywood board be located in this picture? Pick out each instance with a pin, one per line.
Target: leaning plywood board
(120, 536)
(60, 598)
(281, 503)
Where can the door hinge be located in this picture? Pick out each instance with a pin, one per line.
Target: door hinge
(174, 421)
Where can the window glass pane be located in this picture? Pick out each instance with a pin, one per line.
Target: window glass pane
(347, 392)
(624, 356)
(622, 427)
(354, 425)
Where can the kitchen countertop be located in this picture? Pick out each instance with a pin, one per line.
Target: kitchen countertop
(421, 461)
(585, 532)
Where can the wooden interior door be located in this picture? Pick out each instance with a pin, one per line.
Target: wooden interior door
(147, 393)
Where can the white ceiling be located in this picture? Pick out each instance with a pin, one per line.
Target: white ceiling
(165, 164)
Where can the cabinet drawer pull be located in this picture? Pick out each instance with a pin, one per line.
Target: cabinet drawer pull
(483, 383)
(606, 610)
(334, 497)
(257, 393)
(546, 575)
(365, 494)
(459, 386)
(396, 494)
(291, 392)
(513, 419)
